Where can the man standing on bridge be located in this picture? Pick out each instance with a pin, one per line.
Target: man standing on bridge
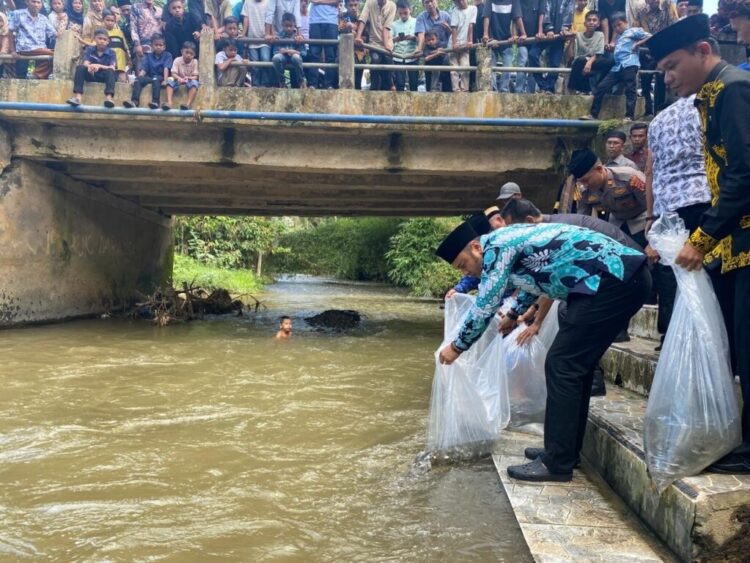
(603, 282)
(692, 64)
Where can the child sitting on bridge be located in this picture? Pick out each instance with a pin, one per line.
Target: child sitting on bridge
(226, 74)
(184, 73)
(98, 66)
(154, 70)
(287, 52)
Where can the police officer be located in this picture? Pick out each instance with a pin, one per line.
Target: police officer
(620, 191)
(692, 64)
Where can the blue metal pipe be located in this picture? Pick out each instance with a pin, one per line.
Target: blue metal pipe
(306, 117)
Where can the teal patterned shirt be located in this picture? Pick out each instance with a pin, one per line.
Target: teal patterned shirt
(543, 259)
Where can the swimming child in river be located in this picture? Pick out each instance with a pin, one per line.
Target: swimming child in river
(285, 329)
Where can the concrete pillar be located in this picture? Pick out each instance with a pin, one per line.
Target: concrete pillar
(206, 59)
(68, 249)
(485, 77)
(346, 61)
(67, 53)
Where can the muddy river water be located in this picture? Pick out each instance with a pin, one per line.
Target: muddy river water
(121, 441)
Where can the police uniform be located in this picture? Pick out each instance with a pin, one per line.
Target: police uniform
(624, 198)
(724, 232)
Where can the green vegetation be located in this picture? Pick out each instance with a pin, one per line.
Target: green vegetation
(412, 261)
(221, 251)
(189, 270)
(350, 249)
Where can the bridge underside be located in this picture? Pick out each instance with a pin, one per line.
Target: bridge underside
(230, 168)
(180, 165)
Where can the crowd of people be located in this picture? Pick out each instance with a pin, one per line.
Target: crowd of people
(593, 254)
(145, 44)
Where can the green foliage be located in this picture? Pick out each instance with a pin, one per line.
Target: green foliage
(346, 248)
(227, 242)
(412, 261)
(190, 271)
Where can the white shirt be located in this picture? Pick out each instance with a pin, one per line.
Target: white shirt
(255, 12)
(460, 19)
(675, 138)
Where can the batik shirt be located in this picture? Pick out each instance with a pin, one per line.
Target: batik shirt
(545, 259)
(145, 21)
(679, 173)
(31, 32)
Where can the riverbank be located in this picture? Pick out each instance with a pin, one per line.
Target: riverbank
(237, 282)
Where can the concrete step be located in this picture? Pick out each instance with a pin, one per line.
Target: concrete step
(631, 365)
(703, 518)
(582, 521)
(643, 323)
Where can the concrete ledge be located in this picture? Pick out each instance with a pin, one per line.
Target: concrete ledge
(631, 364)
(582, 520)
(643, 324)
(701, 518)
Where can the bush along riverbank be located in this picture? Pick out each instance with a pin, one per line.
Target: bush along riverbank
(223, 252)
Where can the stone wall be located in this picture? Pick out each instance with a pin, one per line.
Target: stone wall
(69, 250)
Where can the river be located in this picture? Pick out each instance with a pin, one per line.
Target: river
(121, 441)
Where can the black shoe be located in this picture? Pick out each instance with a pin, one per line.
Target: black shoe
(622, 337)
(129, 105)
(165, 107)
(536, 453)
(658, 348)
(732, 464)
(153, 105)
(536, 471)
(533, 453)
(183, 107)
(109, 104)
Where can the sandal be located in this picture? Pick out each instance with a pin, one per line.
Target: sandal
(183, 107)
(73, 102)
(165, 107)
(109, 104)
(536, 471)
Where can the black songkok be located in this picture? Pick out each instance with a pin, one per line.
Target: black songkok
(581, 161)
(455, 242)
(480, 223)
(679, 35)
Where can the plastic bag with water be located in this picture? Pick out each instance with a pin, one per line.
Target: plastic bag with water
(527, 385)
(469, 405)
(692, 417)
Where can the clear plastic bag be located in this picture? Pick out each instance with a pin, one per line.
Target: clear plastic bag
(469, 405)
(527, 386)
(692, 417)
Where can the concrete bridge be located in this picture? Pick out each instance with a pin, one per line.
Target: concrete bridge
(86, 195)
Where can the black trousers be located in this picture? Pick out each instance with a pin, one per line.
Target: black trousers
(664, 280)
(399, 76)
(83, 75)
(733, 291)
(625, 76)
(647, 80)
(142, 81)
(586, 82)
(380, 79)
(588, 329)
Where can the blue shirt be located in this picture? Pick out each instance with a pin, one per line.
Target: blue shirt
(426, 23)
(31, 32)
(154, 66)
(624, 55)
(107, 58)
(324, 13)
(543, 259)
